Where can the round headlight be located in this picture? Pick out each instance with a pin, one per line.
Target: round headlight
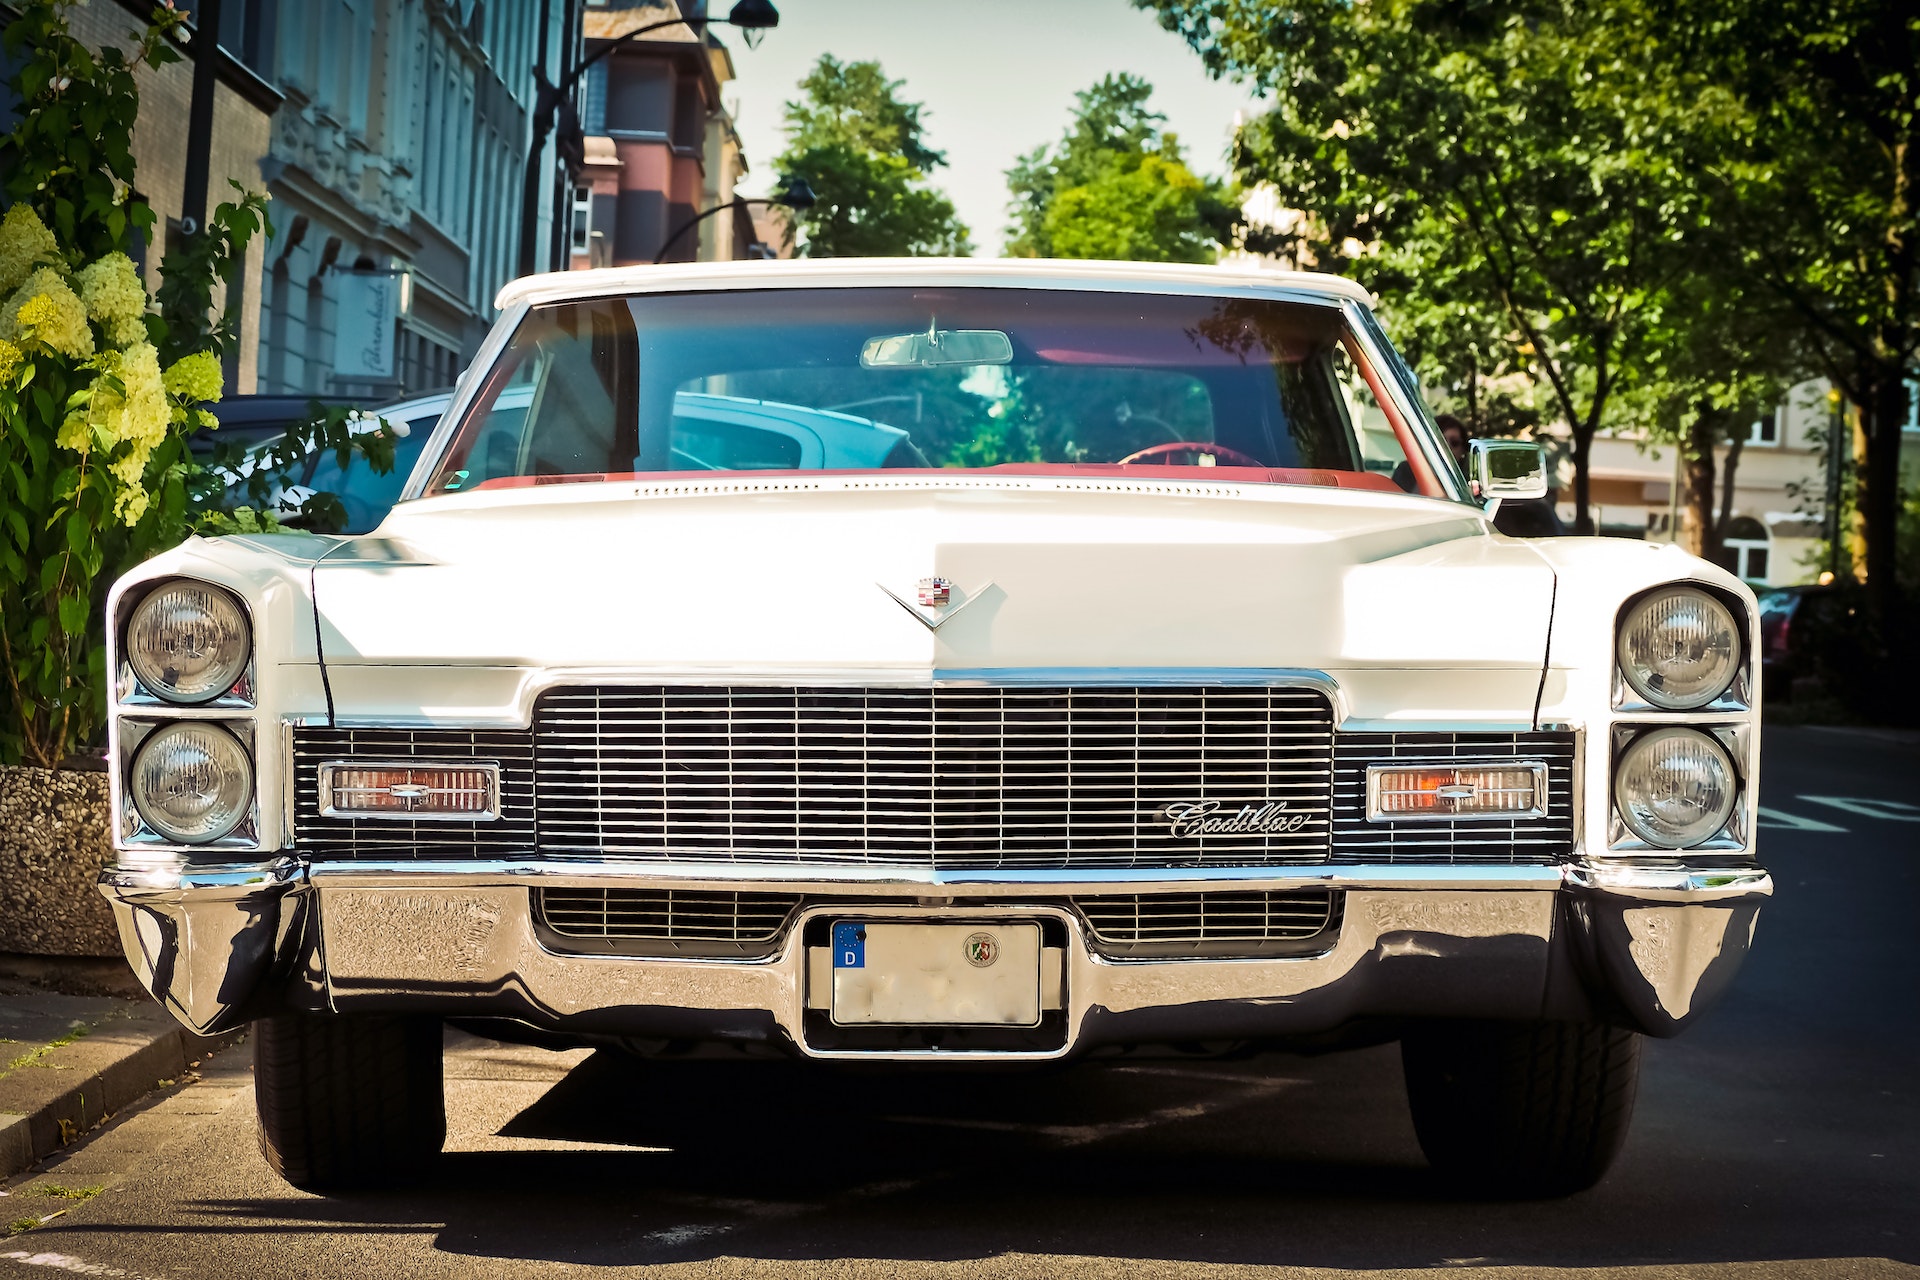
(188, 641)
(1679, 648)
(192, 782)
(1675, 787)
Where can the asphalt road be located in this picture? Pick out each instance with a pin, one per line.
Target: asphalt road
(1777, 1138)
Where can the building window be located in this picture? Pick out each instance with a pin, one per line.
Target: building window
(1765, 429)
(1744, 550)
(1913, 406)
(582, 219)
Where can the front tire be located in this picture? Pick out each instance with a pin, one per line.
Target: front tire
(349, 1102)
(1521, 1109)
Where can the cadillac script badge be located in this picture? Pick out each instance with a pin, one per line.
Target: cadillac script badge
(935, 593)
(1190, 818)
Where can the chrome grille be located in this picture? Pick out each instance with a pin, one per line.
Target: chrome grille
(339, 837)
(1227, 923)
(1522, 841)
(948, 777)
(747, 922)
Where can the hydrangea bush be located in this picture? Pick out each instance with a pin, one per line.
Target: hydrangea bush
(101, 385)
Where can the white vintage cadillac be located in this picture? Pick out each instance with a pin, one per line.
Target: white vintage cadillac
(937, 662)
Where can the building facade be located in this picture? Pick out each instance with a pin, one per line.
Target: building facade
(1777, 520)
(659, 144)
(395, 165)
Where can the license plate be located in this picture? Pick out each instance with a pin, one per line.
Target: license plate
(950, 975)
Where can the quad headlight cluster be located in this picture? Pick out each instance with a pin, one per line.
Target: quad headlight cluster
(1680, 649)
(188, 643)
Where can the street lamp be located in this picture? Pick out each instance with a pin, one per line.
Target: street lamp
(798, 195)
(753, 17)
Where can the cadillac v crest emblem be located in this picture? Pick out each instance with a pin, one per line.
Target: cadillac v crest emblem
(982, 949)
(1191, 819)
(934, 600)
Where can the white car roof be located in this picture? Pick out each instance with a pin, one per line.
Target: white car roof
(795, 273)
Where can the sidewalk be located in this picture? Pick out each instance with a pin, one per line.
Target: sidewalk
(67, 1062)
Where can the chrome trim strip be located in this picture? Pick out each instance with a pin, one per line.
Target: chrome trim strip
(488, 769)
(1127, 677)
(1693, 884)
(169, 881)
(1536, 810)
(902, 880)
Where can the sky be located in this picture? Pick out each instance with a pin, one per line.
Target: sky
(997, 78)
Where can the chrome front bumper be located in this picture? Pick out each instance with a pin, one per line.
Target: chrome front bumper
(1645, 947)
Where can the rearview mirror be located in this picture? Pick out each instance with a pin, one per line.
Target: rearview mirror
(1502, 469)
(937, 347)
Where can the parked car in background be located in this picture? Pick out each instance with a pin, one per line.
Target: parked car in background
(1114, 699)
(253, 420)
(712, 433)
(1791, 617)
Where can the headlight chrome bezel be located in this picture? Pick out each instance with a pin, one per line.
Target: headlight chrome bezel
(1734, 694)
(135, 688)
(1731, 831)
(139, 824)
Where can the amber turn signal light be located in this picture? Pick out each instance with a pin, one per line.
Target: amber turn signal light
(467, 791)
(1507, 790)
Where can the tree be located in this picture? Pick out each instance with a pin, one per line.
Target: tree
(1511, 157)
(1117, 187)
(1823, 186)
(862, 150)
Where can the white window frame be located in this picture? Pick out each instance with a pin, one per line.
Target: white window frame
(582, 236)
(1765, 432)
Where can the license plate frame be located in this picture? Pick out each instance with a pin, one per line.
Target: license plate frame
(918, 973)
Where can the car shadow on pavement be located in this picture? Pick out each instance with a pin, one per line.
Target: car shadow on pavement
(1279, 1160)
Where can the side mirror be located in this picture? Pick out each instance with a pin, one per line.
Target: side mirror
(1500, 469)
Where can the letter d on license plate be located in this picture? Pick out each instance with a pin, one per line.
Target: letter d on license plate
(951, 975)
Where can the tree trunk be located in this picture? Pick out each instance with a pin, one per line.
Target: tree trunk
(1696, 533)
(1718, 540)
(1582, 455)
(1882, 419)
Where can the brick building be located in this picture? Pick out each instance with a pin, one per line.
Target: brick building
(660, 145)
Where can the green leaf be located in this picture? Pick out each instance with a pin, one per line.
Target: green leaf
(73, 614)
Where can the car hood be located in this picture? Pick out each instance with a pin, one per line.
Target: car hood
(813, 578)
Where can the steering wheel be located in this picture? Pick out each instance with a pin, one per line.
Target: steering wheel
(1233, 457)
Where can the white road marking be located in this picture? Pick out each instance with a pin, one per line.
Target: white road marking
(1794, 822)
(1886, 810)
(68, 1263)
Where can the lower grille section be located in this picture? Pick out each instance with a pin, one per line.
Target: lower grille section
(1218, 925)
(665, 922)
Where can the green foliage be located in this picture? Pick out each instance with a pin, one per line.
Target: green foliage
(187, 276)
(1821, 188)
(98, 395)
(861, 150)
(1512, 161)
(70, 156)
(1116, 187)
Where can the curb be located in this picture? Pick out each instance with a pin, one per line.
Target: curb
(130, 1075)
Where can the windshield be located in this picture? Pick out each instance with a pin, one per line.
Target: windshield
(869, 379)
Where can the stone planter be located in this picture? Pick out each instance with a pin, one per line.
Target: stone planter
(54, 838)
